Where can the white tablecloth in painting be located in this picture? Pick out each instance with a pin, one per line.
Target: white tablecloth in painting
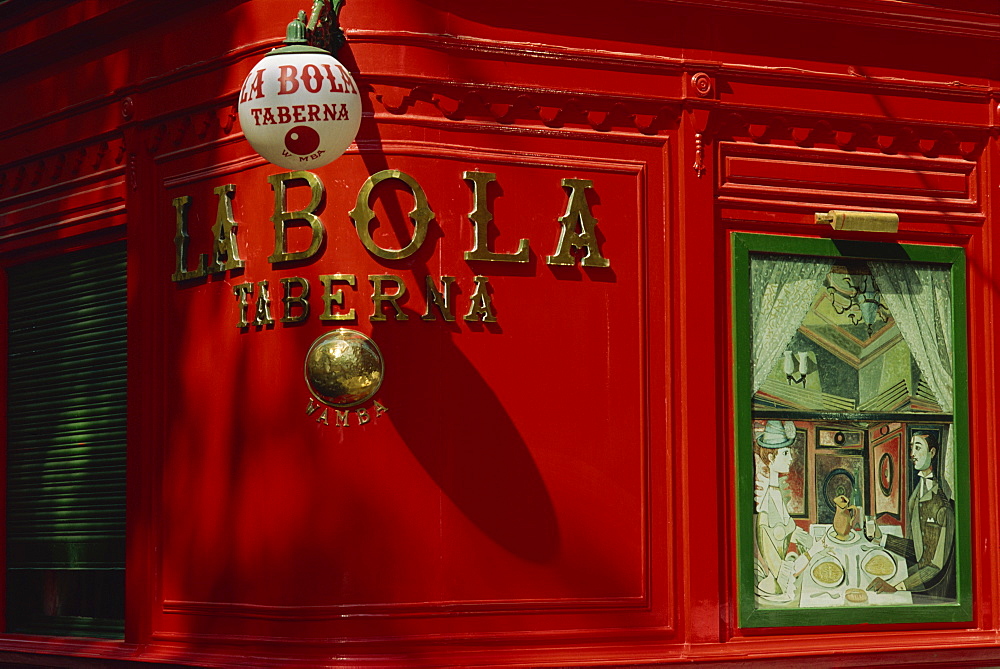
(850, 553)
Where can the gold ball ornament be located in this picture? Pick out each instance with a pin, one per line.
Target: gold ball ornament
(344, 368)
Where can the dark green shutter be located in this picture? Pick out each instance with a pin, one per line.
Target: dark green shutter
(66, 399)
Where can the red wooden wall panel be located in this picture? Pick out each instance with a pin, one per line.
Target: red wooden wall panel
(478, 413)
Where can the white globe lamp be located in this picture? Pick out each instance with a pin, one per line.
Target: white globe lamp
(299, 106)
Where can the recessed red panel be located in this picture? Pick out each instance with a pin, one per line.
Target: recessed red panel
(501, 461)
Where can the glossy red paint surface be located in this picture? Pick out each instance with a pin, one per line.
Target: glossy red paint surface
(552, 488)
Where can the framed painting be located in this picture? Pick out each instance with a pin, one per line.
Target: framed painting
(850, 374)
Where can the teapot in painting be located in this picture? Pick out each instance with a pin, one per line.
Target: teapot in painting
(845, 518)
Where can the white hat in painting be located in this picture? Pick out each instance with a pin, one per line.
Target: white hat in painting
(777, 434)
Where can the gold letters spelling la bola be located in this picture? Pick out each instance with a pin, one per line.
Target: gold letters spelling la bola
(339, 389)
(579, 231)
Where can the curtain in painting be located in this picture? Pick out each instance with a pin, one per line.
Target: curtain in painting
(919, 299)
(782, 289)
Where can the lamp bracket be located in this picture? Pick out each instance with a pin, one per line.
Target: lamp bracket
(323, 29)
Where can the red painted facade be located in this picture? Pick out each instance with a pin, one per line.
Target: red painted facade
(552, 488)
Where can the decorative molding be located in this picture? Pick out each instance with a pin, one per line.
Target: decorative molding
(511, 106)
(183, 76)
(127, 108)
(63, 225)
(809, 179)
(801, 165)
(165, 138)
(868, 136)
(702, 84)
(901, 15)
(195, 128)
(396, 610)
(847, 78)
(594, 163)
(73, 166)
(699, 154)
(216, 171)
(622, 638)
(471, 47)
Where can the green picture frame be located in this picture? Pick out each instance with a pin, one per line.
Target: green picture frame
(756, 608)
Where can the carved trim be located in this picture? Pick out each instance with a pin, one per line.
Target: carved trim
(65, 225)
(699, 155)
(492, 155)
(848, 134)
(127, 108)
(437, 645)
(524, 107)
(807, 180)
(466, 47)
(702, 84)
(71, 166)
(218, 170)
(509, 106)
(622, 61)
(184, 76)
(421, 609)
(194, 129)
(901, 15)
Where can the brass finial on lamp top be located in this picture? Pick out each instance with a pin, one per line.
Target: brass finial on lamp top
(296, 31)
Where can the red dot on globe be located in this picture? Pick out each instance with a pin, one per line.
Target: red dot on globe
(302, 140)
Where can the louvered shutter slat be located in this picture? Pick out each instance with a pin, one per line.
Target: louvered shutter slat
(66, 390)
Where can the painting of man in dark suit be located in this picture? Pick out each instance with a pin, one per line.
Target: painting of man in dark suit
(928, 545)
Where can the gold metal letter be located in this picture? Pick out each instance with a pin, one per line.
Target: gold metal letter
(340, 419)
(281, 218)
(289, 301)
(481, 217)
(442, 302)
(181, 240)
(330, 298)
(311, 407)
(379, 408)
(363, 214)
(480, 303)
(578, 213)
(224, 233)
(243, 291)
(323, 417)
(379, 296)
(262, 312)
(363, 416)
